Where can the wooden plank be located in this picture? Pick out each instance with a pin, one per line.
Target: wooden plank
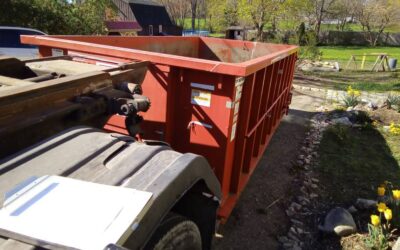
(2, 240)
(66, 67)
(132, 65)
(48, 58)
(131, 75)
(363, 61)
(376, 63)
(11, 244)
(21, 121)
(41, 94)
(9, 81)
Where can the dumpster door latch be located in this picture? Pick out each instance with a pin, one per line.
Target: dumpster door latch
(192, 125)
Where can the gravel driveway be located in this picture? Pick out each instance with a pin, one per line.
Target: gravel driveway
(259, 216)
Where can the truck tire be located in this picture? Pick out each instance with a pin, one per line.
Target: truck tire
(176, 233)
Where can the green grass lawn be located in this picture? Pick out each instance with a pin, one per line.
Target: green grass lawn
(354, 162)
(217, 35)
(364, 80)
(343, 53)
(201, 24)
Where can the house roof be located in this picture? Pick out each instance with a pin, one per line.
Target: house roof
(148, 12)
(123, 26)
(145, 2)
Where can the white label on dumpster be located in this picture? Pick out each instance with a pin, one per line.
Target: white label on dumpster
(57, 52)
(202, 98)
(202, 86)
(233, 132)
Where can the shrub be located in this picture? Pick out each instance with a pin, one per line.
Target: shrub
(310, 50)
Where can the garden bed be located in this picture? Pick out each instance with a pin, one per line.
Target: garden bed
(353, 161)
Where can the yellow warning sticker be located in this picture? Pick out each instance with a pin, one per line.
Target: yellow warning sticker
(202, 98)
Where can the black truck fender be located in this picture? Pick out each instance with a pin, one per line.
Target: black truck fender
(188, 187)
(180, 183)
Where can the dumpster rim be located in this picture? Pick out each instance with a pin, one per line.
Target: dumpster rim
(236, 69)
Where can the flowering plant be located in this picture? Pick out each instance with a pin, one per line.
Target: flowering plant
(380, 231)
(394, 128)
(352, 97)
(353, 92)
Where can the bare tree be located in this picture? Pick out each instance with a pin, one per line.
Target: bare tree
(344, 12)
(257, 12)
(193, 10)
(177, 9)
(322, 9)
(375, 16)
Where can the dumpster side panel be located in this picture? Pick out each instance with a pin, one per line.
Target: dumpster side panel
(155, 86)
(203, 123)
(265, 99)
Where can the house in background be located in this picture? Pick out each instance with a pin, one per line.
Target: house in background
(151, 16)
(116, 28)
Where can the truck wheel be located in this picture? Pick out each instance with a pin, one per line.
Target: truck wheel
(176, 233)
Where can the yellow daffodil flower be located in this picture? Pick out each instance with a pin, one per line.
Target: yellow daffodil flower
(382, 207)
(350, 90)
(375, 220)
(388, 214)
(381, 191)
(396, 194)
(394, 129)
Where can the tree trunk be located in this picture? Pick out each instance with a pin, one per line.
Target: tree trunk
(194, 10)
(319, 18)
(260, 28)
(274, 24)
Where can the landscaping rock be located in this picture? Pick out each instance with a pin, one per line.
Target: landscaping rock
(365, 204)
(314, 180)
(317, 66)
(283, 239)
(359, 107)
(290, 212)
(396, 245)
(295, 206)
(297, 222)
(340, 222)
(296, 247)
(352, 209)
(342, 121)
(372, 105)
(300, 163)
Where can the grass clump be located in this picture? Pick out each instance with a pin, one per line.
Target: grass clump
(353, 161)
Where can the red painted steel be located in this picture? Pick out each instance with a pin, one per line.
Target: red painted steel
(219, 98)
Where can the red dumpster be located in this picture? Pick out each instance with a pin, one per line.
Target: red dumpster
(222, 99)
